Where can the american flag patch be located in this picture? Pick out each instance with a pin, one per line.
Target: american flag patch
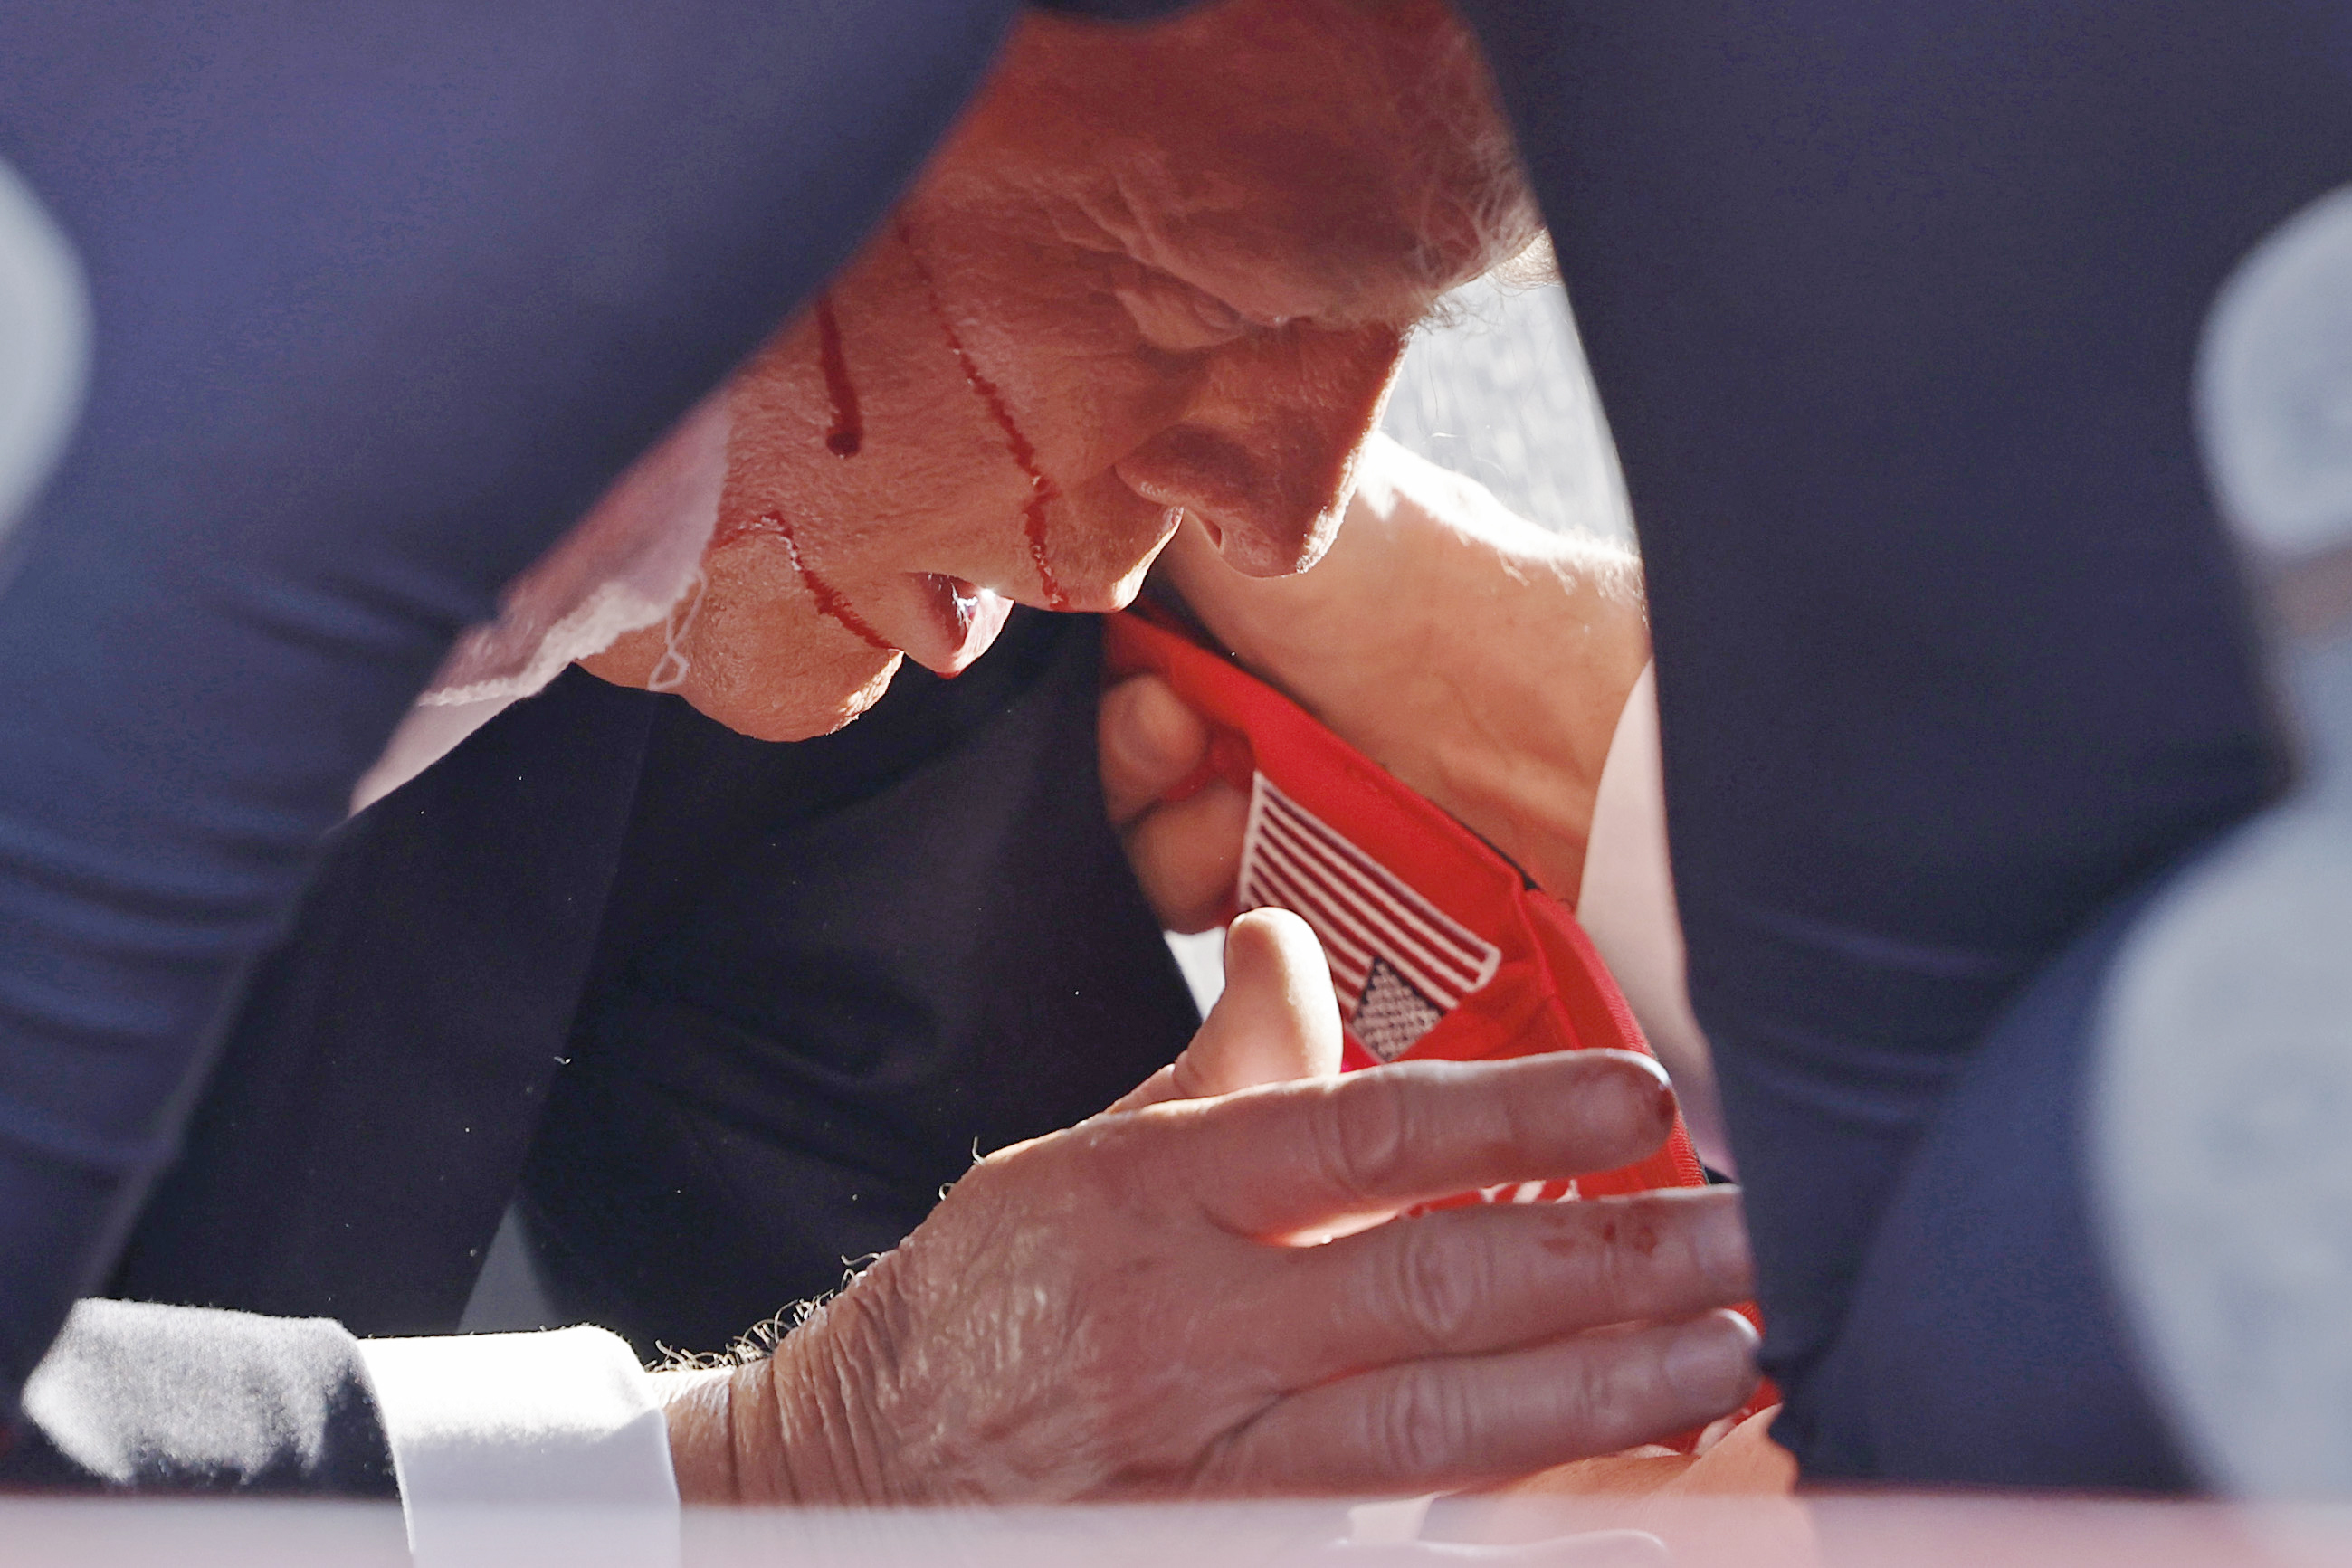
(1398, 963)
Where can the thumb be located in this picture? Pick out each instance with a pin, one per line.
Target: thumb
(1277, 1018)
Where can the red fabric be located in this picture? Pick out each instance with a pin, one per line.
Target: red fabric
(1550, 990)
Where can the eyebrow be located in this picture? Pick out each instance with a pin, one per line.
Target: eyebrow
(1343, 308)
(1337, 305)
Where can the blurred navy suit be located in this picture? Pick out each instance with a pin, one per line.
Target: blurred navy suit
(726, 1012)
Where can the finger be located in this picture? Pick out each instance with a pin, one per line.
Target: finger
(1276, 1020)
(1497, 1277)
(1187, 855)
(1147, 742)
(1458, 1421)
(1295, 1156)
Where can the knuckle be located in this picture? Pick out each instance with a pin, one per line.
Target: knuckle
(1117, 1169)
(1437, 1284)
(1594, 1396)
(1425, 1425)
(1090, 1165)
(1186, 860)
(1365, 1139)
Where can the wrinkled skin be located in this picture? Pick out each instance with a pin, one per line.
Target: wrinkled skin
(1508, 729)
(1124, 1310)
(1181, 262)
(1185, 302)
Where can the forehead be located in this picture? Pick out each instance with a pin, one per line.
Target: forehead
(1283, 232)
(1291, 157)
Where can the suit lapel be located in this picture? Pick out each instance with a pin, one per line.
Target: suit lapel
(379, 1086)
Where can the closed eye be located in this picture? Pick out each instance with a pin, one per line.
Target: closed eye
(1175, 316)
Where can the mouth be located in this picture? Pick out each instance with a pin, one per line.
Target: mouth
(943, 623)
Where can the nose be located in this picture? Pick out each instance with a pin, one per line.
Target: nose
(1264, 451)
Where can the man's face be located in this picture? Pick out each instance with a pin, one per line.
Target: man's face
(1153, 274)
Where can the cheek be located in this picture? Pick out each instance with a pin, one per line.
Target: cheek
(1081, 384)
(1034, 345)
(931, 462)
(1086, 392)
(1106, 534)
(1023, 364)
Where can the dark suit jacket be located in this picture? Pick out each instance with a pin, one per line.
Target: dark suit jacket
(724, 1014)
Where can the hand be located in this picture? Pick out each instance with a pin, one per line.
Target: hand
(1480, 659)
(1186, 854)
(1276, 1022)
(1469, 653)
(1120, 1310)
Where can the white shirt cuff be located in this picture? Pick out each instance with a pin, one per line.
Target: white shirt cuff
(527, 1447)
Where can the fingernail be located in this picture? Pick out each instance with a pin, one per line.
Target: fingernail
(1713, 1362)
(1643, 1084)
